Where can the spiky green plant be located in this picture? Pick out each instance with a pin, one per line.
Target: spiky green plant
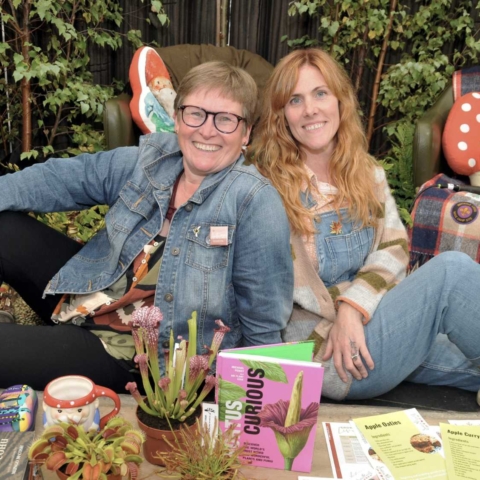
(202, 456)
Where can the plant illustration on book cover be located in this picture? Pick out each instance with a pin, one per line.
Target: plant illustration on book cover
(261, 391)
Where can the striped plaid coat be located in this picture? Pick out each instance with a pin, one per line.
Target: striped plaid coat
(315, 306)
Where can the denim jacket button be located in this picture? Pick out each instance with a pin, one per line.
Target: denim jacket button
(168, 297)
(188, 207)
(175, 251)
(166, 344)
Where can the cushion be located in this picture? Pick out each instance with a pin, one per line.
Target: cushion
(179, 59)
(461, 135)
(153, 93)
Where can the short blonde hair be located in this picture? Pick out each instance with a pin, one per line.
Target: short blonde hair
(279, 157)
(232, 82)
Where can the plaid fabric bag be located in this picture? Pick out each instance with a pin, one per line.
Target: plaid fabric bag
(443, 220)
(465, 81)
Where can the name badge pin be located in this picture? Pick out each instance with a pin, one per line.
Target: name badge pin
(219, 235)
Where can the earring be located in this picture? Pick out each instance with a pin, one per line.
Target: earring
(244, 147)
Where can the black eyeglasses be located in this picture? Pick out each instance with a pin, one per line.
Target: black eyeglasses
(224, 122)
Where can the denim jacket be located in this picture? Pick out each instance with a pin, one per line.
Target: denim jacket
(248, 284)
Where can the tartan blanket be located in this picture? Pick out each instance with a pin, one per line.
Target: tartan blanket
(465, 81)
(443, 220)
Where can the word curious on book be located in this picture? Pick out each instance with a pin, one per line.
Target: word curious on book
(254, 395)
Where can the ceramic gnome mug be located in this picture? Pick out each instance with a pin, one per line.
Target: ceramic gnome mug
(74, 399)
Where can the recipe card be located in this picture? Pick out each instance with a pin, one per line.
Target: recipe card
(462, 451)
(404, 443)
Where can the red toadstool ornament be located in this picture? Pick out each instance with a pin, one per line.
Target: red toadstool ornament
(461, 137)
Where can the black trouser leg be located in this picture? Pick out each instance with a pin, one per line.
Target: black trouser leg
(31, 253)
(35, 355)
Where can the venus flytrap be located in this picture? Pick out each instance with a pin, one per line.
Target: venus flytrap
(114, 449)
(177, 394)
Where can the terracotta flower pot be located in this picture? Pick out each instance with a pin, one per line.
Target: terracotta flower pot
(110, 476)
(155, 440)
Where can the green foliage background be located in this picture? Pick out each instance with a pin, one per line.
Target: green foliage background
(44, 53)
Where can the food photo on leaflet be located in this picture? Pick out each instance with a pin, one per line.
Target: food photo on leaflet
(190, 228)
(374, 326)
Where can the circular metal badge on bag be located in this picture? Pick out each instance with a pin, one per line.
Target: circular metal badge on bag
(464, 212)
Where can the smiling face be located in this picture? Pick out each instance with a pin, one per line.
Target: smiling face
(313, 115)
(205, 149)
(82, 415)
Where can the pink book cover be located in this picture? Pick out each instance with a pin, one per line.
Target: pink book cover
(271, 394)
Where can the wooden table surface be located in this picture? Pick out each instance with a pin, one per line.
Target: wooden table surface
(321, 462)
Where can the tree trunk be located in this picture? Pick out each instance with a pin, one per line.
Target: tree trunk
(27, 111)
(361, 61)
(381, 61)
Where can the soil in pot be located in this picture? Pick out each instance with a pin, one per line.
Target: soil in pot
(157, 429)
(110, 476)
(161, 423)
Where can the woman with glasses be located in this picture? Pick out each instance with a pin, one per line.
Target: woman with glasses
(189, 228)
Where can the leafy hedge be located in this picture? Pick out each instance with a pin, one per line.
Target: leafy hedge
(49, 103)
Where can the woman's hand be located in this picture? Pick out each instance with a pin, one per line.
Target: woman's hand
(346, 342)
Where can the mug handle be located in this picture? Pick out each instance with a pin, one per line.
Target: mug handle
(106, 392)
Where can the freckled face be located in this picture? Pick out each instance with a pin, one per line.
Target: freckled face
(313, 115)
(205, 149)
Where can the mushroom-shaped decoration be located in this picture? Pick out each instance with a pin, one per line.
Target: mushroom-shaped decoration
(461, 137)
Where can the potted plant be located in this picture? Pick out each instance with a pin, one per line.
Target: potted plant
(72, 453)
(175, 397)
(200, 454)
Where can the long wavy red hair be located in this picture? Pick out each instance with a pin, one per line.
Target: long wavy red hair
(279, 156)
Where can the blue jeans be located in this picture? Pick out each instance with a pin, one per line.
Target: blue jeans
(427, 329)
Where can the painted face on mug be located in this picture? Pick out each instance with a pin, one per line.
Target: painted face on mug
(313, 115)
(205, 149)
(84, 416)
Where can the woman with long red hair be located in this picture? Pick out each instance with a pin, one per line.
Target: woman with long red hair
(373, 326)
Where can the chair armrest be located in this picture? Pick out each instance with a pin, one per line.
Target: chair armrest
(428, 159)
(118, 123)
